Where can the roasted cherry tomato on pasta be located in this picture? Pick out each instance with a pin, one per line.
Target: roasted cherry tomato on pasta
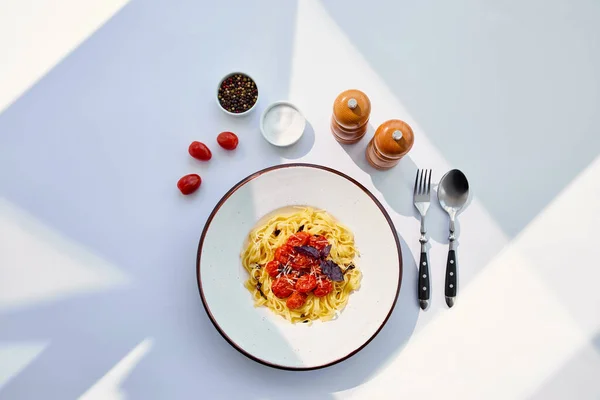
(324, 286)
(273, 268)
(300, 261)
(282, 287)
(298, 239)
(318, 242)
(296, 300)
(306, 283)
(284, 254)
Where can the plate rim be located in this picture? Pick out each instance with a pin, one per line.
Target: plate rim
(216, 209)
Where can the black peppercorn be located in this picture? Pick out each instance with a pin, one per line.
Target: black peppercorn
(238, 93)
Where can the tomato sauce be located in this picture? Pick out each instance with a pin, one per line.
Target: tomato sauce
(296, 270)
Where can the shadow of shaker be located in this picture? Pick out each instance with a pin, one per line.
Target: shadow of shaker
(396, 185)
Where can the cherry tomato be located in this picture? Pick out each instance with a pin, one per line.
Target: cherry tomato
(299, 261)
(273, 268)
(199, 151)
(227, 140)
(306, 283)
(296, 300)
(318, 242)
(324, 286)
(298, 239)
(284, 254)
(282, 287)
(189, 184)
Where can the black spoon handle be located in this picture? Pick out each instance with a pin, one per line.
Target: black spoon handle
(450, 286)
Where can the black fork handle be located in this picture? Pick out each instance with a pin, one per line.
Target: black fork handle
(424, 288)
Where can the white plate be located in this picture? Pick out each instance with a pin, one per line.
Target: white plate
(259, 333)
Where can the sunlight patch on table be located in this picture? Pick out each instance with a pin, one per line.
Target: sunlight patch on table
(325, 62)
(109, 386)
(521, 320)
(14, 357)
(38, 264)
(565, 258)
(59, 26)
(506, 334)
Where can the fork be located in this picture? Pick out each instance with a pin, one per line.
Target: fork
(421, 198)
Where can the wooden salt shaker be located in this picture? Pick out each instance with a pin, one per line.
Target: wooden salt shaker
(351, 111)
(392, 140)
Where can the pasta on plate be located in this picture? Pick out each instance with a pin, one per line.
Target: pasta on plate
(301, 265)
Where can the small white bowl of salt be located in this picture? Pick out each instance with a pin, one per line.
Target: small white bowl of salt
(282, 124)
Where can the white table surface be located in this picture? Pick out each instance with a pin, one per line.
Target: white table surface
(100, 99)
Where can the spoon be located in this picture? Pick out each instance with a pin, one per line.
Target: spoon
(453, 193)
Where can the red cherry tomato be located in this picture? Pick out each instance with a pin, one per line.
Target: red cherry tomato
(199, 151)
(299, 261)
(324, 286)
(282, 287)
(298, 239)
(273, 268)
(306, 283)
(318, 242)
(227, 140)
(189, 184)
(284, 254)
(296, 300)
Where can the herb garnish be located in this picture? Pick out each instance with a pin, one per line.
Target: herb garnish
(308, 251)
(258, 287)
(349, 268)
(325, 251)
(332, 270)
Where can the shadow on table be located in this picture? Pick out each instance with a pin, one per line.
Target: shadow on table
(296, 151)
(397, 186)
(265, 382)
(508, 119)
(576, 378)
(93, 151)
(362, 366)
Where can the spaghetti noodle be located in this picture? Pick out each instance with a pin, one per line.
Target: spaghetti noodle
(301, 265)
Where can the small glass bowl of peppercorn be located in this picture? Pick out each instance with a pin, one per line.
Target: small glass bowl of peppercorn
(237, 94)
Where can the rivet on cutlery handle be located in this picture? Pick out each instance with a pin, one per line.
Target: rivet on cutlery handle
(424, 287)
(451, 280)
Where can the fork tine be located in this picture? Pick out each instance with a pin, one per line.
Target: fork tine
(416, 181)
(429, 183)
(421, 182)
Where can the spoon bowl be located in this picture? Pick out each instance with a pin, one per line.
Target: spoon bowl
(453, 191)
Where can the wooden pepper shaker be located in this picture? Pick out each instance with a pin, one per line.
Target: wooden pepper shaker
(392, 140)
(351, 111)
